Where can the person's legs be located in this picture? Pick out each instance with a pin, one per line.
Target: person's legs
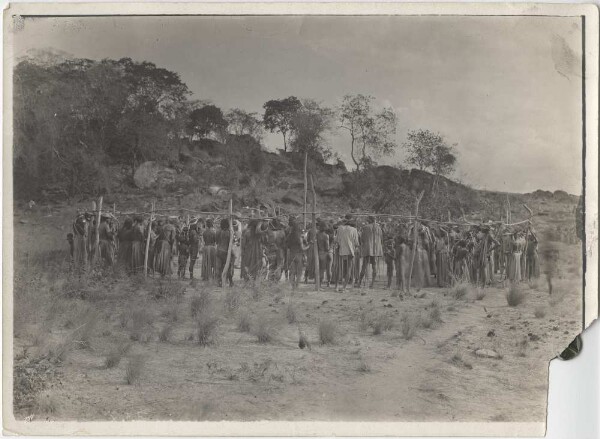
(363, 270)
(390, 271)
(374, 265)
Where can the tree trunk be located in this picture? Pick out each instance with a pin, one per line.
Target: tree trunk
(148, 242)
(415, 238)
(352, 152)
(284, 143)
(97, 240)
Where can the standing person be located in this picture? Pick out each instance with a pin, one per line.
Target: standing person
(125, 235)
(138, 246)
(183, 244)
(81, 240)
(209, 251)
(325, 255)
(296, 246)
(253, 241)
(71, 246)
(370, 248)
(194, 247)
(106, 245)
(533, 259)
(163, 250)
(348, 242)
(389, 254)
(442, 261)
(222, 239)
(151, 246)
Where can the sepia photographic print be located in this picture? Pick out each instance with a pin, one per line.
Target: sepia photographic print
(335, 219)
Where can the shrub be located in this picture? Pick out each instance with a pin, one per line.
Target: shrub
(85, 330)
(165, 333)
(200, 303)
(244, 322)
(134, 368)
(409, 326)
(265, 330)
(207, 324)
(363, 365)
(382, 323)
(232, 300)
(425, 321)
(141, 325)
(114, 356)
(479, 294)
(290, 313)
(514, 295)
(435, 313)
(171, 312)
(460, 291)
(539, 312)
(327, 332)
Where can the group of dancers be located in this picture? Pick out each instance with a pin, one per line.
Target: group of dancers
(424, 253)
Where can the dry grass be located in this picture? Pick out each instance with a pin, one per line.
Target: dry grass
(86, 327)
(409, 326)
(327, 332)
(244, 322)
(522, 346)
(382, 323)
(165, 333)
(290, 313)
(514, 295)
(539, 312)
(460, 291)
(265, 329)
(46, 403)
(458, 360)
(534, 284)
(171, 312)
(200, 303)
(141, 326)
(364, 321)
(134, 368)
(113, 358)
(363, 365)
(232, 300)
(207, 326)
(479, 294)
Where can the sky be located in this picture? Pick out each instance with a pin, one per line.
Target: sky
(505, 90)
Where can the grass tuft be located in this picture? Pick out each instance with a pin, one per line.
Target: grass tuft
(134, 369)
(539, 312)
(327, 332)
(113, 358)
(409, 326)
(514, 296)
(244, 322)
(290, 313)
(265, 330)
(200, 303)
(460, 291)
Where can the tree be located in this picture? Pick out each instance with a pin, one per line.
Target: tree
(429, 151)
(279, 116)
(372, 133)
(241, 123)
(207, 120)
(311, 122)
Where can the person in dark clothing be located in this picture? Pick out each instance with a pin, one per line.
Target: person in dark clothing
(223, 236)
(194, 247)
(184, 252)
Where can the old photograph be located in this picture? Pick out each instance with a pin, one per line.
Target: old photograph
(298, 218)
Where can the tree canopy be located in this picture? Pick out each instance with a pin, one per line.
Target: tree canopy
(279, 116)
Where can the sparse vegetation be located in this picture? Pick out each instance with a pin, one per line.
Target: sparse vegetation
(522, 346)
(207, 325)
(460, 291)
(363, 365)
(409, 326)
(165, 333)
(514, 296)
(382, 323)
(232, 300)
(244, 322)
(265, 330)
(141, 326)
(134, 368)
(539, 312)
(113, 358)
(46, 403)
(200, 303)
(479, 294)
(290, 313)
(327, 332)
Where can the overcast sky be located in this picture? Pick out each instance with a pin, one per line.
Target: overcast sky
(507, 90)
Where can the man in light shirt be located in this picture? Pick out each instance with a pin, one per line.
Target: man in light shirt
(347, 241)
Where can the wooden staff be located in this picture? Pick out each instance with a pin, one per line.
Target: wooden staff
(415, 238)
(97, 239)
(148, 242)
(314, 229)
(230, 247)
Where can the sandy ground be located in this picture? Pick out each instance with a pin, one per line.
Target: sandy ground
(435, 375)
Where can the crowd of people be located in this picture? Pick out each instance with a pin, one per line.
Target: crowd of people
(349, 249)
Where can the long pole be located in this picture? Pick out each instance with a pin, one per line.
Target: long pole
(97, 239)
(148, 242)
(305, 185)
(314, 231)
(230, 247)
(415, 237)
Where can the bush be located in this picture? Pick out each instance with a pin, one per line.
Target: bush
(141, 326)
(382, 323)
(480, 294)
(265, 330)
(200, 303)
(232, 300)
(207, 324)
(364, 366)
(114, 356)
(134, 368)
(165, 333)
(244, 322)
(290, 313)
(515, 295)
(409, 326)
(327, 332)
(460, 291)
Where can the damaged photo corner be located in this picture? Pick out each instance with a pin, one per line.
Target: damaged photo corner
(297, 219)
